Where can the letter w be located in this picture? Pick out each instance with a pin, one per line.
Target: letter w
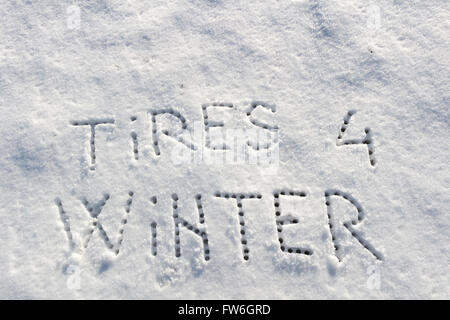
(94, 210)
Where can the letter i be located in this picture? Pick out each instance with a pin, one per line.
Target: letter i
(134, 140)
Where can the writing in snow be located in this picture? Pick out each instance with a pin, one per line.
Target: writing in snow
(257, 144)
(263, 140)
(337, 225)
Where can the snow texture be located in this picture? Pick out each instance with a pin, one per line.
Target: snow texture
(66, 65)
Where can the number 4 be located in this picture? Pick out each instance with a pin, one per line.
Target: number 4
(367, 140)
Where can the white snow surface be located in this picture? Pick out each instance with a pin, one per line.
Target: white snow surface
(312, 60)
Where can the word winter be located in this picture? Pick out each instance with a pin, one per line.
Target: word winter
(281, 220)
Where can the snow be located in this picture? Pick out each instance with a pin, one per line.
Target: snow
(310, 61)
